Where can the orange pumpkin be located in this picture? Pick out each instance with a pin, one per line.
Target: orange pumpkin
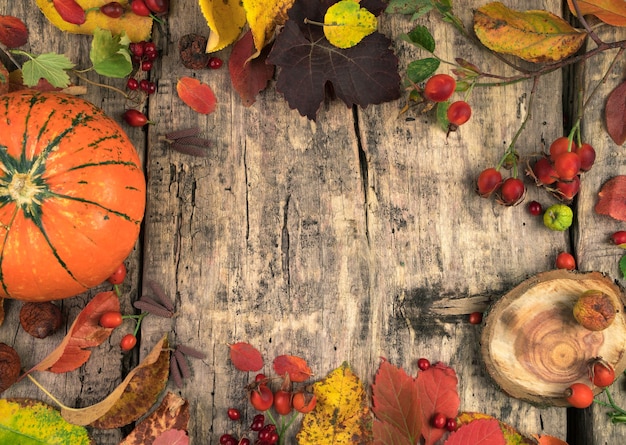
(72, 196)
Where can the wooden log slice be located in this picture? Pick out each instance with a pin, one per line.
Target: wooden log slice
(532, 346)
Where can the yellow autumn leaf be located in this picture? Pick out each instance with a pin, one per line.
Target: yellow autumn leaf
(263, 17)
(226, 19)
(534, 35)
(137, 28)
(346, 23)
(341, 415)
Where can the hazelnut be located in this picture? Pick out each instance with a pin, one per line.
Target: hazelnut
(40, 319)
(595, 310)
(10, 366)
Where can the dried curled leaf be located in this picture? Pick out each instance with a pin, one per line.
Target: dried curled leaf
(615, 114)
(612, 12)
(534, 35)
(13, 31)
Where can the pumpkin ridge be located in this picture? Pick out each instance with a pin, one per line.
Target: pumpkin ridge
(87, 201)
(4, 244)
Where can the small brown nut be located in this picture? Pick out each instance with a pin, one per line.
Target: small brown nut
(595, 310)
(10, 366)
(40, 319)
(192, 49)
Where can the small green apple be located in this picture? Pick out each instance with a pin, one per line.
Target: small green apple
(558, 217)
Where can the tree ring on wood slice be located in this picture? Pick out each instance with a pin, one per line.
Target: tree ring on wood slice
(532, 346)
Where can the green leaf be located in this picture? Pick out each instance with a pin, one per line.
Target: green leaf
(49, 66)
(442, 115)
(622, 266)
(30, 422)
(110, 55)
(420, 36)
(420, 70)
(417, 8)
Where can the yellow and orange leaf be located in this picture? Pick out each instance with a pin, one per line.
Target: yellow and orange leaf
(342, 414)
(534, 35)
(226, 19)
(511, 435)
(612, 12)
(136, 28)
(263, 17)
(199, 96)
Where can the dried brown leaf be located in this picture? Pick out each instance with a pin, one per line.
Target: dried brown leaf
(615, 114)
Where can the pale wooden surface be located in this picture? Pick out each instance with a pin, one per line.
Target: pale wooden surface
(352, 238)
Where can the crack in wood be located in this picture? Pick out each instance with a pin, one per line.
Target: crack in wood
(364, 170)
(284, 244)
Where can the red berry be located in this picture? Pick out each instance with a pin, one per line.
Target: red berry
(544, 172)
(601, 373)
(459, 112)
(118, 275)
(215, 63)
(282, 402)
(260, 377)
(565, 260)
(534, 208)
(451, 424)
(261, 398)
(244, 441)
(234, 414)
(139, 7)
(272, 437)
(488, 181)
(439, 420)
(512, 191)
(135, 118)
(257, 422)
(567, 165)
(560, 145)
(128, 342)
(304, 402)
(146, 65)
(227, 439)
(568, 189)
(158, 6)
(137, 48)
(112, 9)
(579, 395)
(587, 155)
(619, 237)
(111, 319)
(132, 84)
(475, 318)
(439, 87)
(423, 364)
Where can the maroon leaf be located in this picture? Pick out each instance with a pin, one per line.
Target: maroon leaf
(478, 432)
(248, 77)
(615, 114)
(612, 198)
(13, 31)
(70, 11)
(310, 66)
(245, 357)
(438, 394)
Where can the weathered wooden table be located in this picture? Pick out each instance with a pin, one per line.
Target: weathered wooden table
(355, 237)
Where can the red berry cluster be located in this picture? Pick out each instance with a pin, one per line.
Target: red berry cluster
(511, 191)
(559, 170)
(144, 54)
(601, 374)
(266, 433)
(439, 88)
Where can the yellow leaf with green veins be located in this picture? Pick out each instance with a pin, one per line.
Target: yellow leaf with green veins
(341, 415)
(263, 17)
(226, 19)
(534, 35)
(346, 23)
(30, 422)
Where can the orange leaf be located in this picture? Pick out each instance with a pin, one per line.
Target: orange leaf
(199, 96)
(296, 367)
(612, 198)
(478, 432)
(85, 332)
(13, 31)
(612, 12)
(548, 440)
(245, 357)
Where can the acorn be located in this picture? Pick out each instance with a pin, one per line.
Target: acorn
(595, 310)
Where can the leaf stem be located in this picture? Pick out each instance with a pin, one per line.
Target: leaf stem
(110, 87)
(46, 392)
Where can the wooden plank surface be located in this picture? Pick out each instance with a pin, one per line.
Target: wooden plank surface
(355, 237)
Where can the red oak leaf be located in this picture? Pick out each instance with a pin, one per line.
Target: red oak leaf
(312, 68)
(612, 198)
(296, 367)
(13, 31)
(438, 394)
(85, 332)
(199, 96)
(70, 11)
(615, 114)
(248, 76)
(478, 432)
(246, 357)
(396, 405)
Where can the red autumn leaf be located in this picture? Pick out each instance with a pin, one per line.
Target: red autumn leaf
(615, 114)
(248, 77)
(172, 437)
(478, 432)
(612, 198)
(13, 31)
(438, 394)
(245, 357)
(296, 367)
(199, 96)
(549, 440)
(70, 11)
(396, 405)
(85, 332)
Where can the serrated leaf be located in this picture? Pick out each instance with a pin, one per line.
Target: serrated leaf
(295, 366)
(49, 66)
(226, 19)
(341, 415)
(438, 394)
(263, 16)
(245, 357)
(478, 432)
(612, 12)
(533, 35)
(511, 435)
(622, 266)
(420, 36)
(346, 23)
(615, 114)
(30, 422)
(420, 70)
(13, 31)
(110, 55)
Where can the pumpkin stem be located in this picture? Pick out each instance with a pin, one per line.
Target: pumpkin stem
(23, 190)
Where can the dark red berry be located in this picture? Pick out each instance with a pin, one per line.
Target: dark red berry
(488, 182)
(234, 414)
(512, 191)
(475, 318)
(146, 65)
(423, 364)
(215, 63)
(135, 118)
(137, 48)
(158, 6)
(451, 424)
(139, 7)
(587, 155)
(534, 208)
(112, 9)
(439, 420)
(132, 84)
(227, 439)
